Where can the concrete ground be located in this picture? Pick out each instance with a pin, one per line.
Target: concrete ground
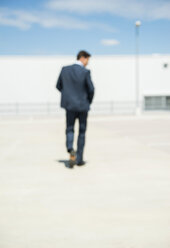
(119, 199)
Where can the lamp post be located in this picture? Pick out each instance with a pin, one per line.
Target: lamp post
(138, 109)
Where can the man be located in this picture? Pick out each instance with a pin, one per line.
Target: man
(77, 93)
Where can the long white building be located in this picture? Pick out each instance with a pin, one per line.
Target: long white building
(27, 83)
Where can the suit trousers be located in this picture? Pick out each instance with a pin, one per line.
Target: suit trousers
(71, 116)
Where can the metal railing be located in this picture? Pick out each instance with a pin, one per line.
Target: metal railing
(53, 108)
(97, 108)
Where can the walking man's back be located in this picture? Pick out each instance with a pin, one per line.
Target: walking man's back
(77, 93)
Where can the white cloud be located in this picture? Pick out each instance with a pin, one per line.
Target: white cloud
(109, 42)
(52, 16)
(144, 9)
(11, 18)
(24, 20)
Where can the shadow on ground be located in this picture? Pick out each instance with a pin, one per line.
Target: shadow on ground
(65, 162)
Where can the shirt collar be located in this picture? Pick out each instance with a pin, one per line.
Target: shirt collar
(78, 62)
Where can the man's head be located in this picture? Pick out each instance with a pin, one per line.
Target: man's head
(83, 56)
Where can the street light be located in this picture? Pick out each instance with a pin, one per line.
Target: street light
(137, 26)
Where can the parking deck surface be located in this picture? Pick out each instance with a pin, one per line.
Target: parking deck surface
(119, 199)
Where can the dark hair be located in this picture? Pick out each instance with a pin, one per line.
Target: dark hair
(83, 54)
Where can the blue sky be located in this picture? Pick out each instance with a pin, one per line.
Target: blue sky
(63, 27)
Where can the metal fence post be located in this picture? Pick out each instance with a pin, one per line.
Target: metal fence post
(111, 107)
(17, 108)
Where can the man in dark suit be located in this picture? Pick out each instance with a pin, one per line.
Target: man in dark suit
(77, 93)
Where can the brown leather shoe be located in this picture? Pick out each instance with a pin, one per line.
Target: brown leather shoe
(72, 160)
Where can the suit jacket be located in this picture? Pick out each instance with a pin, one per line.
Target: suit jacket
(76, 87)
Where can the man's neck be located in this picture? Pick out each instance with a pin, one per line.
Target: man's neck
(78, 62)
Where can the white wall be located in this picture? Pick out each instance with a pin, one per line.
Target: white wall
(33, 79)
(155, 80)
